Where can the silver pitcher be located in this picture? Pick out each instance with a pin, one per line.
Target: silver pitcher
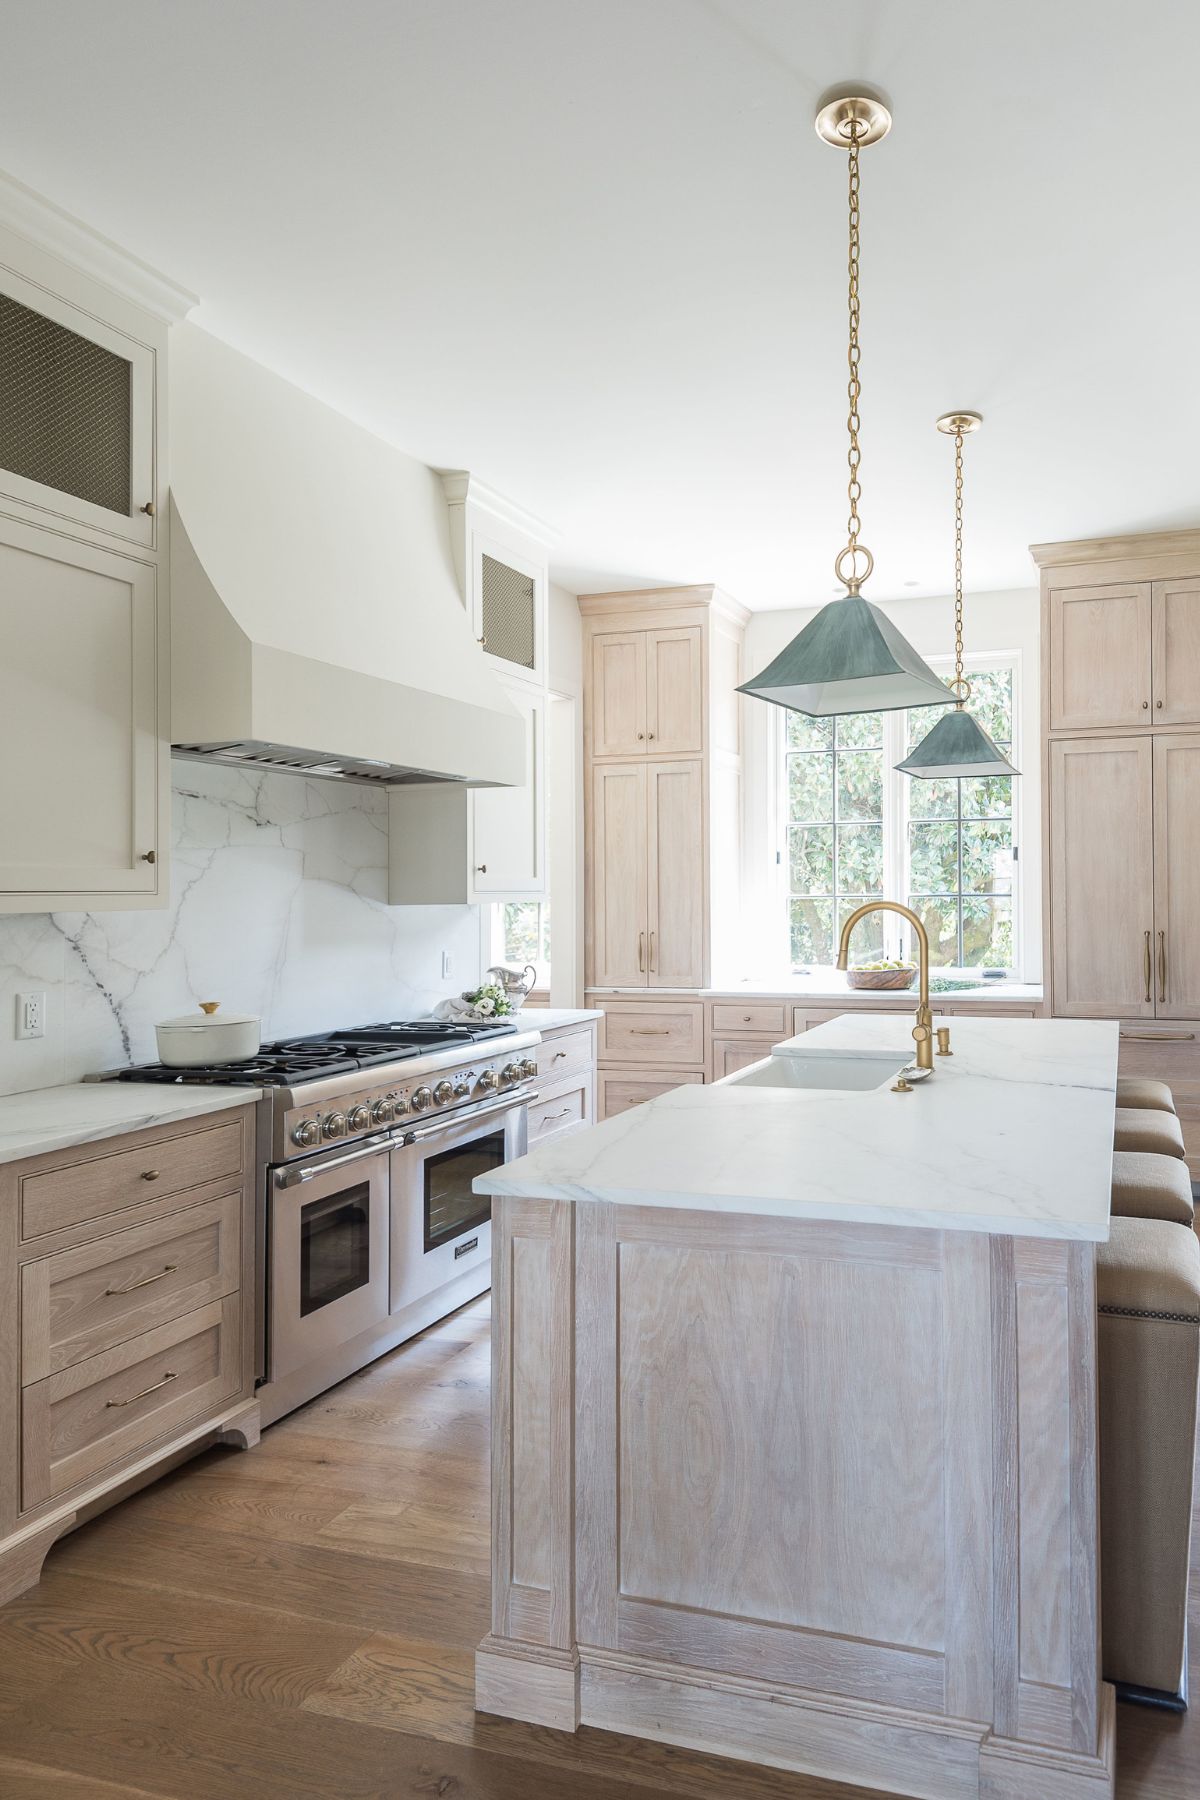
(516, 983)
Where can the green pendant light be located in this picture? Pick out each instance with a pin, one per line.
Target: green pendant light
(957, 746)
(850, 658)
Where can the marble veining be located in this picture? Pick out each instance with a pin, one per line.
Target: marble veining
(277, 908)
(1011, 1135)
(57, 1118)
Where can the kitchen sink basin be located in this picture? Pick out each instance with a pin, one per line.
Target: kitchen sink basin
(843, 1071)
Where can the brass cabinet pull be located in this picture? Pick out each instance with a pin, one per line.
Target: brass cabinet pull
(1159, 1037)
(149, 1174)
(145, 1282)
(652, 953)
(149, 856)
(641, 735)
(641, 953)
(1162, 965)
(149, 509)
(558, 1056)
(649, 1031)
(1149, 970)
(152, 1389)
(546, 1117)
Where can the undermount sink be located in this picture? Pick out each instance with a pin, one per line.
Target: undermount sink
(844, 1071)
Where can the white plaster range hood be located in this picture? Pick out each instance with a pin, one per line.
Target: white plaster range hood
(316, 621)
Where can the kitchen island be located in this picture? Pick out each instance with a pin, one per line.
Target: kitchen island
(794, 1415)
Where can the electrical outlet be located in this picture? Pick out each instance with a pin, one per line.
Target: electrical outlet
(447, 965)
(31, 1015)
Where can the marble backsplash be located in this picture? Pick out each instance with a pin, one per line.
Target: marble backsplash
(277, 908)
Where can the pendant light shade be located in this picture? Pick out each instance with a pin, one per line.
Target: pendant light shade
(957, 747)
(850, 657)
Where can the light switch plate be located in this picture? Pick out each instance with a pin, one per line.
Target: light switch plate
(31, 1015)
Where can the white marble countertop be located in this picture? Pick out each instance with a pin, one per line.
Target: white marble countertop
(77, 1113)
(552, 1018)
(1011, 1135)
(831, 984)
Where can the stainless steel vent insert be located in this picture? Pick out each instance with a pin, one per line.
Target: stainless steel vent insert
(284, 759)
(65, 409)
(508, 609)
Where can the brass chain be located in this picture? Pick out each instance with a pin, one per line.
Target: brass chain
(961, 688)
(857, 571)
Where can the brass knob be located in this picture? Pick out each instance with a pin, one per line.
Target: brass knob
(482, 641)
(149, 856)
(149, 1174)
(1145, 704)
(1158, 703)
(149, 509)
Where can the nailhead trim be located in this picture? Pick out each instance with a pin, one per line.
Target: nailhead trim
(1133, 1312)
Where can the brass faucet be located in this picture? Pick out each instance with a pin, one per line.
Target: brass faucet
(923, 1029)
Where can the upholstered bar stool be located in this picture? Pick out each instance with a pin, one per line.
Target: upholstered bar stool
(1146, 1186)
(1144, 1128)
(1145, 1094)
(1148, 1359)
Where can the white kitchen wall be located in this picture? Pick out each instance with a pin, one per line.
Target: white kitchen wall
(276, 908)
(993, 624)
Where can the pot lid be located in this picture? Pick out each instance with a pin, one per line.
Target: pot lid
(207, 1016)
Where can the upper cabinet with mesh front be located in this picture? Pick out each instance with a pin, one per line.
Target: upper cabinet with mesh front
(500, 556)
(84, 679)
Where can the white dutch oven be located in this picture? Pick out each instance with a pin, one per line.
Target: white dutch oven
(200, 1038)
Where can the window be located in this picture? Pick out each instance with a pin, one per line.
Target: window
(521, 935)
(853, 828)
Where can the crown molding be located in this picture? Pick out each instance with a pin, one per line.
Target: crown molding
(1117, 549)
(461, 486)
(52, 229)
(634, 600)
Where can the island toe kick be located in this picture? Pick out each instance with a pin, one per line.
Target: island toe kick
(819, 1496)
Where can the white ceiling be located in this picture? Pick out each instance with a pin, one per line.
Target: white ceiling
(593, 251)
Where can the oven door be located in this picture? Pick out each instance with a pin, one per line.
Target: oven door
(328, 1254)
(441, 1229)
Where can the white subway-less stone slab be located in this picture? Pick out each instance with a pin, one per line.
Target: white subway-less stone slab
(1011, 1135)
(78, 1113)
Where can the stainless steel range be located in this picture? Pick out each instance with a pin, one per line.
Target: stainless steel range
(369, 1142)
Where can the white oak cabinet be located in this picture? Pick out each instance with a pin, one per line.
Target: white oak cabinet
(647, 691)
(648, 883)
(1102, 876)
(83, 803)
(1121, 723)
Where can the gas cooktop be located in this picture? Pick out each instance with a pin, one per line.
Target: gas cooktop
(290, 1061)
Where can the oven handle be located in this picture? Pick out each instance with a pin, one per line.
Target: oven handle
(508, 1103)
(292, 1175)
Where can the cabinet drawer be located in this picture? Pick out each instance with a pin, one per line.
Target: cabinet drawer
(653, 1034)
(731, 1054)
(731, 1018)
(104, 1410)
(1169, 1053)
(619, 1089)
(107, 1183)
(558, 1113)
(82, 1301)
(559, 1057)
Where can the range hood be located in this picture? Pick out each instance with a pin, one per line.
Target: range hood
(316, 624)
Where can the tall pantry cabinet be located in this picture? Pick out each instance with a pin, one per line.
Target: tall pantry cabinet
(662, 759)
(84, 678)
(1121, 716)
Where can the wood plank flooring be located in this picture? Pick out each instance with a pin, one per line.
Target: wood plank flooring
(298, 1622)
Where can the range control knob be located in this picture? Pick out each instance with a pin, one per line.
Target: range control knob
(422, 1100)
(306, 1133)
(333, 1125)
(462, 1089)
(528, 1067)
(358, 1118)
(399, 1104)
(443, 1093)
(488, 1080)
(381, 1110)
(510, 1072)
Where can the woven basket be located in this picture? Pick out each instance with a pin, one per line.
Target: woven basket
(881, 980)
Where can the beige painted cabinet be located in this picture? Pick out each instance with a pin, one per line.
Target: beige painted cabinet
(82, 807)
(646, 692)
(648, 874)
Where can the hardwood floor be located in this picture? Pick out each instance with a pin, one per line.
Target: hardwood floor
(298, 1622)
